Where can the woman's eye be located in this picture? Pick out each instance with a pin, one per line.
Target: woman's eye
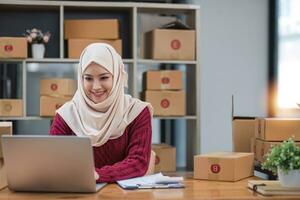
(88, 78)
(104, 77)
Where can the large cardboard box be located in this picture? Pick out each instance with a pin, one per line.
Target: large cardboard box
(243, 129)
(92, 28)
(167, 103)
(277, 129)
(49, 104)
(5, 129)
(58, 87)
(76, 46)
(262, 147)
(165, 160)
(13, 47)
(223, 166)
(11, 107)
(170, 44)
(163, 80)
(3, 177)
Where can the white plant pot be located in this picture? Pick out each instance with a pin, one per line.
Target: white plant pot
(291, 179)
(38, 50)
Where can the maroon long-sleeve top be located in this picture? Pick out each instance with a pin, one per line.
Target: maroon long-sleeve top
(124, 157)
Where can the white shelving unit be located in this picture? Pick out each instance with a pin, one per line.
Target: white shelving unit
(137, 19)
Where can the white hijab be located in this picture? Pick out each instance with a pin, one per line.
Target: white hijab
(108, 119)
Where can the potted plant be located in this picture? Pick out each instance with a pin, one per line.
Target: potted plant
(37, 39)
(284, 160)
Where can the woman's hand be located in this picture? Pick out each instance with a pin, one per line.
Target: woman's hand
(96, 175)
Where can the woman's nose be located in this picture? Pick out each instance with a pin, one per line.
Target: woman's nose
(97, 85)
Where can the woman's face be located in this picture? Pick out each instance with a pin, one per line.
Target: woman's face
(97, 82)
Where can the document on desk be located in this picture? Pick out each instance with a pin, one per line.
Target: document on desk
(154, 181)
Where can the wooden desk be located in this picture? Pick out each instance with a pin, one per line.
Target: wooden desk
(195, 189)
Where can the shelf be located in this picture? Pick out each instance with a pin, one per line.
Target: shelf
(193, 117)
(62, 60)
(149, 61)
(22, 118)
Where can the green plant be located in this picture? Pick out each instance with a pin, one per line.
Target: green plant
(285, 156)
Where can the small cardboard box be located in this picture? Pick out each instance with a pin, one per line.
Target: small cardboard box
(243, 129)
(165, 160)
(76, 46)
(277, 129)
(170, 44)
(3, 177)
(5, 129)
(49, 104)
(11, 107)
(262, 148)
(58, 87)
(167, 103)
(92, 28)
(223, 166)
(163, 80)
(13, 47)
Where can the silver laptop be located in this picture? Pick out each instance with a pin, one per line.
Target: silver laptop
(49, 163)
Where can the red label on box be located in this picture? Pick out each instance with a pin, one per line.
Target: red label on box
(57, 106)
(165, 80)
(165, 103)
(157, 160)
(215, 168)
(7, 107)
(8, 48)
(175, 44)
(54, 86)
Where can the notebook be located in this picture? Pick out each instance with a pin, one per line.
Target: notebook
(49, 163)
(271, 188)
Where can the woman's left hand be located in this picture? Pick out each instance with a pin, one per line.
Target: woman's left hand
(96, 175)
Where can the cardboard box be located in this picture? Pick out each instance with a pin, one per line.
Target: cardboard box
(223, 166)
(3, 177)
(48, 105)
(170, 44)
(262, 148)
(92, 29)
(167, 103)
(243, 129)
(13, 47)
(5, 129)
(11, 107)
(163, 80)
(76, 46)
(277, 129)
(165, 160)
(58, 87)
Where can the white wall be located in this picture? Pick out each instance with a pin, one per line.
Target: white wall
(233, 56)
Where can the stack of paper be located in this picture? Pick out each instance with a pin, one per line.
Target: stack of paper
(152, 181)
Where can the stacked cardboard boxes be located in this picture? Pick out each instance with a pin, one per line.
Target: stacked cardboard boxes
(54, 93)
(13, 47)
(5, 129)
(80, 33)
(164, 90)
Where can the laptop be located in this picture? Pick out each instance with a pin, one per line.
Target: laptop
(49, 164)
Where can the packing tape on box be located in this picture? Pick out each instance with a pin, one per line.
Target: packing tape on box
(165, 79)
(214, 168)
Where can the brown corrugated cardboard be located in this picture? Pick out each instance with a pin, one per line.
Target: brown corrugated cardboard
(277, 129)
(223, 166)
(76, 46)
(13, 47)
(166, 103)
(163, 80)
(243, 129)
(58, 87)
(92, 29)
(165, 160)
(170, 44)
(49, 104)
(262, 148)
(3, 178)
(11, 107)
(5, 129)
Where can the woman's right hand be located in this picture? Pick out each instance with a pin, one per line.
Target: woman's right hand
(96, 175)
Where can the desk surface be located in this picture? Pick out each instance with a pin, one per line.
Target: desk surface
(195, 189)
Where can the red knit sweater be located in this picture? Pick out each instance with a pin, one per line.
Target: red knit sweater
(121, 158)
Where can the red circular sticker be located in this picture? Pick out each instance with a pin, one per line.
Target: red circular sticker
(165, 80)
(57, 106)
(54, 86)
(8, 48)
(7, 107)
(165, 103)
(175, 44)
(157, 160)
(215, 168)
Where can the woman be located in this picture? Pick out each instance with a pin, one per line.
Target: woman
(118, 125)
